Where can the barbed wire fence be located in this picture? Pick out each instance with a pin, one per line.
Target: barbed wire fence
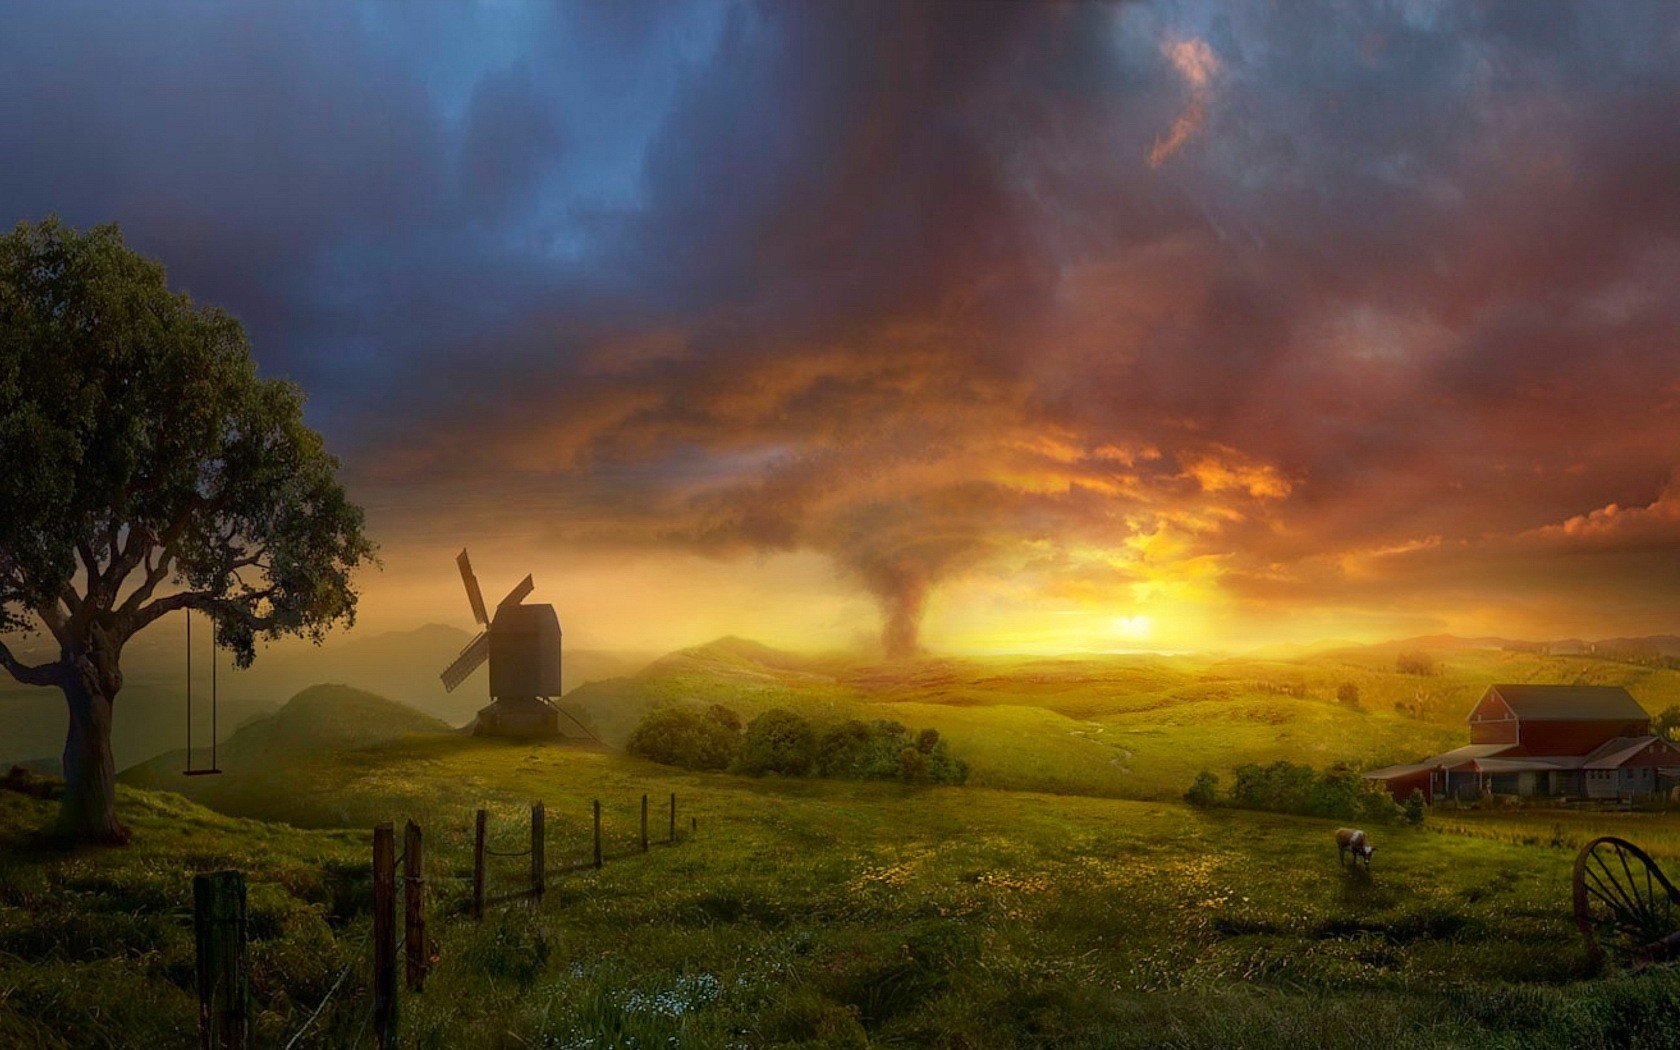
(219, 920)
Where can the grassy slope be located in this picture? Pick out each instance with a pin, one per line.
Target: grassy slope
(322, 720)
(822, 912)
(837, 913)
(151, 711)
(1123, 726)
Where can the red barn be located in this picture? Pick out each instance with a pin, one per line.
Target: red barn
(1590, 741)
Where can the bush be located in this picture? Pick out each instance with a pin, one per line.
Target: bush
(912, 766)
(1284, 787)
(686, 736)
(1416, 808)
(1667, 723)
(856, 750)
(1205, 790)
(1418, 663)
(1347, 694)
(777, 741)
(782, 742)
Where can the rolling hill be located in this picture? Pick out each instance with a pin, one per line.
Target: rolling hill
(1134, 725)
(151, 711)
(320, 723)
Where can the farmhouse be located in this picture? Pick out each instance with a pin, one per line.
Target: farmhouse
(1573, 741)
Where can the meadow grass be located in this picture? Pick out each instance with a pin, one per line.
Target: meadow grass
(1062, 898)
(805, 912)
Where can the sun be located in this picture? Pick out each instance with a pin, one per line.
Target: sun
(1133, 627)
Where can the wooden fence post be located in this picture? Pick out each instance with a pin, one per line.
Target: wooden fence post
(538, 875)
(414, 907)
(644, 823)
(673, 839)
(224, 988)
(478, 865)
(597, 833)
(384, 936)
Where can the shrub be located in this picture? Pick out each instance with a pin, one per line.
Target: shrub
(687, 736)
(1416, 808)
(912, 766)
(1417, 662)
(1347, 694)
(1205, 790)
(782, 742)
(777, 741)
(1284, 787)
(1667, 723)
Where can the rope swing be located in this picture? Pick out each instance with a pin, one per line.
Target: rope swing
(211, 769)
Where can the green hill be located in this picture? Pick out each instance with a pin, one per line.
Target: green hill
(323, 720)
(1125, 725)
(152, 708)
(813, 913)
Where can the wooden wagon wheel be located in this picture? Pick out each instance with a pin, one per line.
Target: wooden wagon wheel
(1623, 899)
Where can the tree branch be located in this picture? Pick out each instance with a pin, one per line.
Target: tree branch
(54, 620)
(36, 674)
(240, 607)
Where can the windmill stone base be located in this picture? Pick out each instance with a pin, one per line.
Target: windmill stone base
(520, 718)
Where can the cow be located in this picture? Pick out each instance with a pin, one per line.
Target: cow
(1355, 841)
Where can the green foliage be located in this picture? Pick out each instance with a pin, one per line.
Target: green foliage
(1204, 791)
(779, 742)
(1284, 787)
(885, 750)
(783, 743)
(688, 736)
(1347, 694)
(1416, 808)
(824, 913)
(1414, 662)
(1667, 722)
(156, 453)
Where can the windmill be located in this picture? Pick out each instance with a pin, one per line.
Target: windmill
(522, 644)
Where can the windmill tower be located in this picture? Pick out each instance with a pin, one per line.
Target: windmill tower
(522, 643)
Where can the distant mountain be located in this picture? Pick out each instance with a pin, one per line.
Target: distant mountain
(1653, 644)
(151, 711)
(321, 718)
(1660, 644)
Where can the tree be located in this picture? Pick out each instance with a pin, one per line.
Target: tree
(1416, 808)
(147, 469)
(778, 741)
(1418, 663)
(1204, 791)
(1667, 722)
(1348, 695)
(683, 735)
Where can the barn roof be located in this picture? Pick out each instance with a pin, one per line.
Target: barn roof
(1456, 757)
(1613, 753)
(1570, 703)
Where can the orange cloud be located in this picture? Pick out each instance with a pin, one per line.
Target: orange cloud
(1196, 64)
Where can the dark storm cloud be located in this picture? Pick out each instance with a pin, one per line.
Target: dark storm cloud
(1322, 295)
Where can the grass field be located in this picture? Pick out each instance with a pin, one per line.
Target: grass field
(1134, 726)
(805, 912)
(808, 912)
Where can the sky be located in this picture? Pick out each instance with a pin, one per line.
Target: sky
(961, 327)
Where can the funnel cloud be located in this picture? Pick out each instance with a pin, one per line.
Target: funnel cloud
(1256, 321)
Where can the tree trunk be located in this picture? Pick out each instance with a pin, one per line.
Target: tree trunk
(89, 812)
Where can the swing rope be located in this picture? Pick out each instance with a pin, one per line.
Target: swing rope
(188, 614)
(213, 768)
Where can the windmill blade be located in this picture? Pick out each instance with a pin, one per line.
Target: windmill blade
(474, 595)
(518, 594)
(476, 652)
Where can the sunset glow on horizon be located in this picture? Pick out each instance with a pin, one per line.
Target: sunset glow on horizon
(960, 328)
